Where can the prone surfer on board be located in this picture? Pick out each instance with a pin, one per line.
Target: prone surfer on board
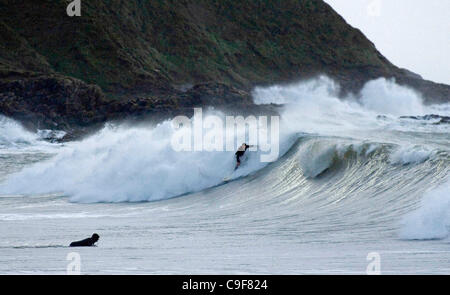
(240, 152)
(89, 242)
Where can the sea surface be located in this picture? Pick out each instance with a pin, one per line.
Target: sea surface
(355, 176)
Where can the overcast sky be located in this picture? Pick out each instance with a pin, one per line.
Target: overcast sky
(412, 34)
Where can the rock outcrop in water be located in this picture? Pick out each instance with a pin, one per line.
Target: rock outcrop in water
(153, 59)
(436, 119)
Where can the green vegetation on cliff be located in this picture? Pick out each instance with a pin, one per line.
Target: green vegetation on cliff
(144, 48)
(136, 45)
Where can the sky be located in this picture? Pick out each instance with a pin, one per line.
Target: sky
(412, 34)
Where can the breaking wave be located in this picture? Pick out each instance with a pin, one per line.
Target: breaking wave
(361, 148)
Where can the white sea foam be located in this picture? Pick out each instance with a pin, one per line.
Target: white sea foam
(386, 97)
(12, 134)
(411, 155)
(14, 137)
(127, 164)
(432, 219)
(123, 163)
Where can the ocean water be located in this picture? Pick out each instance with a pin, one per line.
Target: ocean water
(354, 176)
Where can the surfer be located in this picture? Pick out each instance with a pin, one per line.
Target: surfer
(240, 152)
(86, 242)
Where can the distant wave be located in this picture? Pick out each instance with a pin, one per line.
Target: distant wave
(411, 155)
(14, 136)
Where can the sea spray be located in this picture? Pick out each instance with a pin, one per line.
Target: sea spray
(386, 97)
(12, 134)
(411, 154)
(127, 164)
(432, 219)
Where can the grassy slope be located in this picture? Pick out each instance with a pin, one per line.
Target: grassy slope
(137, 46)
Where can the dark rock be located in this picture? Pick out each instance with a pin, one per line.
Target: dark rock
(438, 119)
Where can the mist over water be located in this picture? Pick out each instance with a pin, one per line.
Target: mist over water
(12, 134)
(123, 164)
(386, 97)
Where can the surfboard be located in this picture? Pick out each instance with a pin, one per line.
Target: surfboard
(230, 177)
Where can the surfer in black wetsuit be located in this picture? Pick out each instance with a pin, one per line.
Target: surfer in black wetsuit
(240, 152)
(86, 242)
